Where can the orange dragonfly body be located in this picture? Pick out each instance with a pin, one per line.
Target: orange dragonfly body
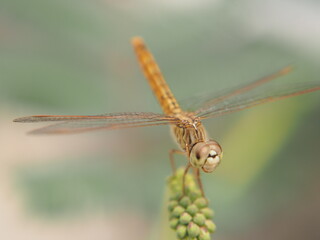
(202, 152)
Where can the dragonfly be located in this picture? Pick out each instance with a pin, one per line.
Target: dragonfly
(203, 153)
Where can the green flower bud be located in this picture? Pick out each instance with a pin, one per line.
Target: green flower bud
(201, 202)
(174, 182)
(193, 230)
(189, 212)
(177, 211)
(176, 196)
(207, 212)
(185, 218)
(192, 209)
(210, 226)
(181, 231)
(174, 223)
(196, 193)
(172, 204)
(185, 201)
(199, 219)
(204, 234)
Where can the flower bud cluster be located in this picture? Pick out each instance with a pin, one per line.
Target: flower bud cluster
(190, 215)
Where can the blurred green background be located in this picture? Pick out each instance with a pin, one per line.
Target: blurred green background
(75, 57)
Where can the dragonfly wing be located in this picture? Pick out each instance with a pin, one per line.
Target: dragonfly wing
(207, 100)
(76, 124)
(260, 95)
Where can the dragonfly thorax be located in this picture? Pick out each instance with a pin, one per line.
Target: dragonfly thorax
(188, 131)
(191, 135)
(188, 120)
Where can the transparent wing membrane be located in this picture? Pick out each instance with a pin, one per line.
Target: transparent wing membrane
(248, 99)
(76, 124)
(210, 99)
(261, 91)
(87, 125)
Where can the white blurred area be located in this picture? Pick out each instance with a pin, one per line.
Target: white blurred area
(294, 22)
(186, 5)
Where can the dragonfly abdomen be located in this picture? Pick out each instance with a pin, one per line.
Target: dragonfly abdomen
(153, 74)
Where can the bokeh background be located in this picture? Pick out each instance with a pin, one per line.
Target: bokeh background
(75, 57)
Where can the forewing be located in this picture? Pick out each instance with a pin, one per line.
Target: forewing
(255, 97)
(210, 99)
(76, 124)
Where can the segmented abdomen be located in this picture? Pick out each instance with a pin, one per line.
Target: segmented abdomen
(152, 72)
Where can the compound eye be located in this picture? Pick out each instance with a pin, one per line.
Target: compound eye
(211, 163)
(213, 153)
(206, 155)
(199, 154)
(214, 157)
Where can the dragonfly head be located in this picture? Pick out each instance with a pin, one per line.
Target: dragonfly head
(206, 155)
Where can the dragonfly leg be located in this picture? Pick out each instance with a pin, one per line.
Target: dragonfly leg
(197, 174)
(184, 178)
(171, 155)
